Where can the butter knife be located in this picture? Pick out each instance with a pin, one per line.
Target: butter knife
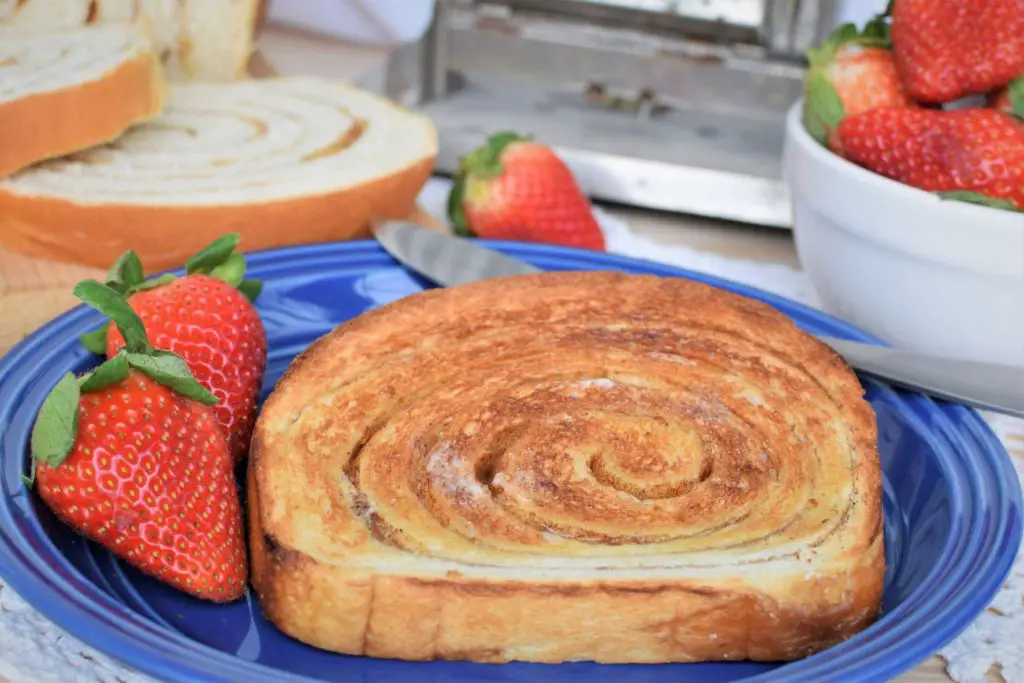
(451, 261)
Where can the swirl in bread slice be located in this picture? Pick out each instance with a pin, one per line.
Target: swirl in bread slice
(65, 91)
(281, 161)
(568, 466)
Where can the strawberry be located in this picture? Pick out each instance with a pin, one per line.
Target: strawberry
(130, 455)
(208, 319)
(948, 49)
(1010, 99)
(850, 72)
(516, 189)
(971, 154)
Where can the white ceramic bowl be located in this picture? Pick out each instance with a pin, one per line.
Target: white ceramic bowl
(915, 270)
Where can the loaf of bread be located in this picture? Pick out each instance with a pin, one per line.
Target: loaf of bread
(280, 161)
(568, 466)
(200, 40)
(65, 91)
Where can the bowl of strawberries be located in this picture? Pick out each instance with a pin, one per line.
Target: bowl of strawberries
(905, 162)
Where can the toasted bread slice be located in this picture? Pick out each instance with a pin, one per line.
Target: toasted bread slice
(568, 466)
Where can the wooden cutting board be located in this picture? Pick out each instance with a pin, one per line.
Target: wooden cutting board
(33, 291)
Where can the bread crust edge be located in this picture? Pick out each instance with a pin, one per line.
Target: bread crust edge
(414, 618)
(167, 236)
(52, 124)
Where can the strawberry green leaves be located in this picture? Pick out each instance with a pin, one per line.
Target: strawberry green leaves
(979, 199)
(485, 161)
(114, 371)
(250, 289)
(220, 260)
(482, 162)
(126, 272)
(823, 108)
(1016, 92)
(56, 427)
(213, 255)
(163, 367)
(845, 65)
(171, 370)
(95, 341)
(456, 214)
(110, 303)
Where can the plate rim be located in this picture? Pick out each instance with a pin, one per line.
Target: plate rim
(151, 653)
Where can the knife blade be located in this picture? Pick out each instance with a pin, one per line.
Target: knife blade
(451, 261)
(448, 261)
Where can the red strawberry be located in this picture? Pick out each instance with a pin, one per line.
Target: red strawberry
(1010, 99)
(976, 153)
(210, 323)
(131, 457)
(947, 49)
(850, 72)
(516, 189)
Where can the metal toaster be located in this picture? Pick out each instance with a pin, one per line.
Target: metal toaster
(674, 105)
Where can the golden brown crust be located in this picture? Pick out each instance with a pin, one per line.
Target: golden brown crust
(165, 237)
(55, 123)
(569, 466)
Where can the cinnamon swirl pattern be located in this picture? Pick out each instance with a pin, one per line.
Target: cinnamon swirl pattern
(568, 466)
(281, 161)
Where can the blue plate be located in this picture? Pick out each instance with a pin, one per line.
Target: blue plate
(952, 511)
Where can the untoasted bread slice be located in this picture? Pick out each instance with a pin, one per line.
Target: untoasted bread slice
(281, 161)
(66, 91)
(208, 40)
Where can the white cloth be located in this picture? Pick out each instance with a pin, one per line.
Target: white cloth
(45, 654)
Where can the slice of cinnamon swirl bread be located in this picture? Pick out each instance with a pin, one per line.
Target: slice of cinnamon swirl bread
(281, 161)
(568, 466)
(196, 40)
(65, 91)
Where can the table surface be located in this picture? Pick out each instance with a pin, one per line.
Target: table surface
(31, 292)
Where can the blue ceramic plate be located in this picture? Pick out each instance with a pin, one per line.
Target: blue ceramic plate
(952, 508)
